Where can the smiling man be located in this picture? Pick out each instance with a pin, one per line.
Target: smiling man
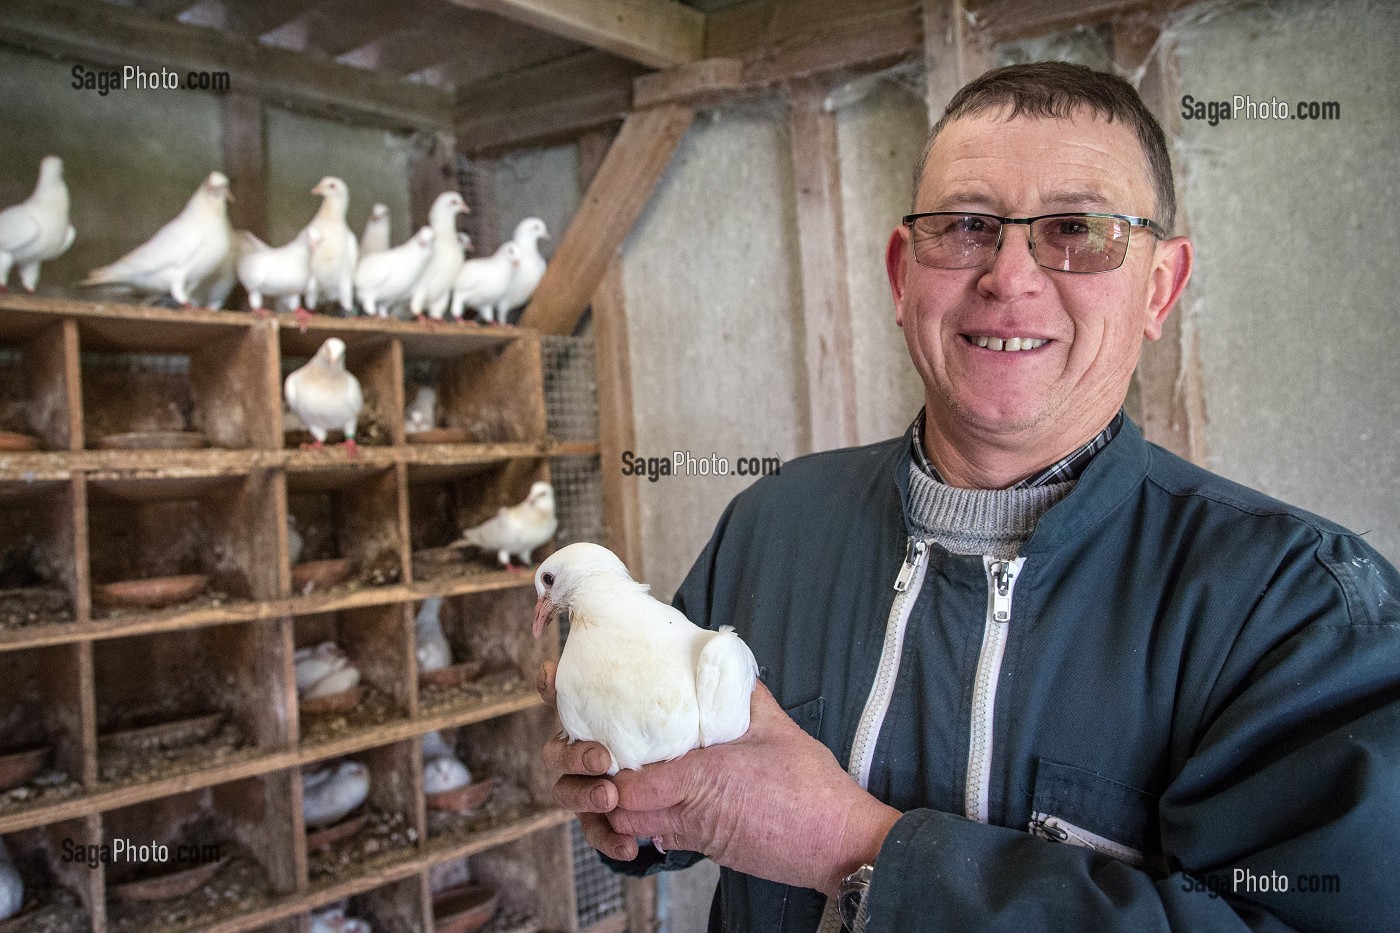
(1023, 670)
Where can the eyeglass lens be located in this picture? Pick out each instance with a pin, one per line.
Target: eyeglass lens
(1068, 244)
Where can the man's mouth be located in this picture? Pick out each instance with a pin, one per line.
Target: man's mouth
(1008, 344)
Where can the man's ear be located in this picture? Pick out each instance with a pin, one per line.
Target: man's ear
(897, 256)
(1171, 271)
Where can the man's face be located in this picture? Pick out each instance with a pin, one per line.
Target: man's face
(1050, 398)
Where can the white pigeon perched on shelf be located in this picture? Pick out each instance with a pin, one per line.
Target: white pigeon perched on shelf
(530, 271)
(333, 920)
(433, 290)
(433, 651)
(421, 413)
(517, 529)
(276, 271)
(295, 542)
(482, 284)
(329, 793)
(11, 885)
(333, 264)
(37, 229)
(375, 239)
(387, 277)
(182, 253)
(323, 670)
(213, 290)
(636, 675)
(325, 395)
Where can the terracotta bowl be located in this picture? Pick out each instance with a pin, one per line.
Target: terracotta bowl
(342, 702)
(318, 839)
(154, 593)
(439, 436)
(18, 767)
(464, 909)
(164, 887)
(464, 799)
(452, 676)
(17, 442)
(152, 440)
(165, 735)
(438, 556)
(321, 574)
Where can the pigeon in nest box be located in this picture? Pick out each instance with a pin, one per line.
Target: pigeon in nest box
(325, 395)
(517, 529)
(433, 652)
(11, 885)
(328, 794)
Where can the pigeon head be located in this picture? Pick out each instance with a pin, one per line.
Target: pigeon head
(531, 229)
(424, 237)
(541, 497)
(558, 578)
(379, 211)
(51, 169)
(333, 189)
(216, 186)
(332, 353)
(511, 250)
(446, 208)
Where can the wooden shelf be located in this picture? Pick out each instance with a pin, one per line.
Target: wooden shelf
(83, 517)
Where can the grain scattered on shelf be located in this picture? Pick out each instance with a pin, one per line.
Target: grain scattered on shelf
(375, 709)
(45, 788)
(122, 766)
(29, 606)
(384, 838)
(240, 886)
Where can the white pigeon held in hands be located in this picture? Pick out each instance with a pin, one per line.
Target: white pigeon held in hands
(37, 229)
(636, 675)
(325, 395)
(182, 253)
(517, 529)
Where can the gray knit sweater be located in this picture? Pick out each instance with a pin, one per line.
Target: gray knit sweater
(995, 522)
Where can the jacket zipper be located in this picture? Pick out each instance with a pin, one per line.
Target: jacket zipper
(1001, 584)
(906, 587)
(1059, 830)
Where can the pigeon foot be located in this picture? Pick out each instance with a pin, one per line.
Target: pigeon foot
(351, 448)
(303, 316)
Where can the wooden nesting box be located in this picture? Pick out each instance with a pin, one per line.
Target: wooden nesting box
(175, 722)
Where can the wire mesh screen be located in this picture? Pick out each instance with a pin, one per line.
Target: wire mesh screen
(578, 501)
(600, 890)
(570, 387)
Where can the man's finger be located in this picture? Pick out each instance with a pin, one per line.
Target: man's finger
(598, 834)
(544, 682)
(657, 786)
(563, 757)
(585, 794)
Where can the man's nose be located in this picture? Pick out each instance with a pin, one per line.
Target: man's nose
(1013, 270)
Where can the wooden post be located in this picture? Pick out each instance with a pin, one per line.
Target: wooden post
(1169, 372)
(821, 238)
(952, 56)
(245, 161)
(432, 169)
(633, 166)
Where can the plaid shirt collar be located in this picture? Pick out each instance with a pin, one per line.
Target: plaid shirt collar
(1065, 469)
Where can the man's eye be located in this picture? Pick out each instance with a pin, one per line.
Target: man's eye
(968, 225)
(1071, 227)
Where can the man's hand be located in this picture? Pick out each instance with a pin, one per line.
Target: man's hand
(581, 784)
(774, 803)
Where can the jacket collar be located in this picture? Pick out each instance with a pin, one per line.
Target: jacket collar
(1112, 476)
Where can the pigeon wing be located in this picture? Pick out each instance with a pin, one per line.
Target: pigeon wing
(724, 679)
(18, 228)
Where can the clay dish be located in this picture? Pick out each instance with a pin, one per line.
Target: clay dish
(342, 702)
(153, 440)
(166, 735)
(154, 593)
(439, 436)
(319, 839)
(438, 556)
(452, 676)
(164, 887)
(464, 909)
(320, 574)
(18, 767)
(17, 442)
(463, 799)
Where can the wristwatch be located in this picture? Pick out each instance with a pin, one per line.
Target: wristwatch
(851, 898)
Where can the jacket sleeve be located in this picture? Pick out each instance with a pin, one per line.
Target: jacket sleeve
(1281, 817)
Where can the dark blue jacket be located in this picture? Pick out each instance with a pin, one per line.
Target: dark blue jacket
(1195, 700)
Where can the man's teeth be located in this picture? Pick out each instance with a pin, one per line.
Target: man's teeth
(1013, 343)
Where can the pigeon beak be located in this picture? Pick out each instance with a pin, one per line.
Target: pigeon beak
(544, 611)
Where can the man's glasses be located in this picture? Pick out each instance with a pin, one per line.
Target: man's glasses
(1064, 242)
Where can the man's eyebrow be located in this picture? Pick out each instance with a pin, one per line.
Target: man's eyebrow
(966, 199)
(1083, 198)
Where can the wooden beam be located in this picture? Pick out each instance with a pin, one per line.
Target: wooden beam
(821, 239)
(245, 161)
(633, 166)
(999, 21)
(432, 169)
(108, 35)
(1170, 385)
(697, 83)
(655, 33)
(549, 103)
(952, 55)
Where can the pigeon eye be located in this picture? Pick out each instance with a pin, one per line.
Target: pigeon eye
(548, 579)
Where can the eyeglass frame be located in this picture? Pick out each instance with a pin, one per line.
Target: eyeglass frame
(1150, 225)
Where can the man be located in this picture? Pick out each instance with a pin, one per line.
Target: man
(1028, 671)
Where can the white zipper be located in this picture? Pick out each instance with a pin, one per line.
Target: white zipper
(1001, 584)
(1059, 830)
(906, 587)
